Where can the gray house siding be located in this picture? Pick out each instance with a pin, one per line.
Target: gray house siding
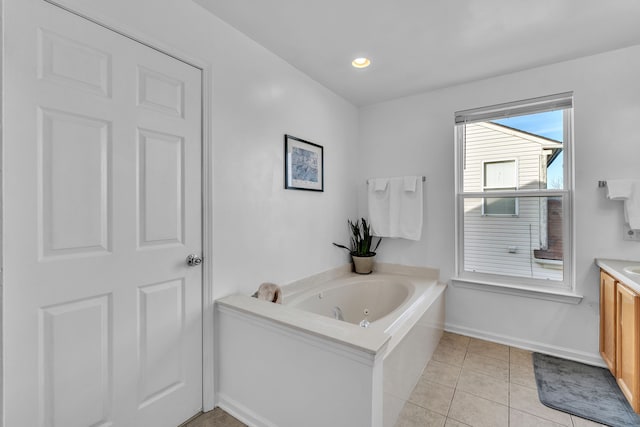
(504, 244)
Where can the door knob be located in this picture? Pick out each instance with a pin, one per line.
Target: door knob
(193, 260)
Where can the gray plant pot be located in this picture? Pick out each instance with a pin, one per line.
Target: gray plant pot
(363, 264)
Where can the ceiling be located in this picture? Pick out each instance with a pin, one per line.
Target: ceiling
(421, 45)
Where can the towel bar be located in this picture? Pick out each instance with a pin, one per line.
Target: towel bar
(424, 178)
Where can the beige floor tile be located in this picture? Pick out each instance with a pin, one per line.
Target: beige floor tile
(522, 375)
(453, 423)
(416, 416)
(484, 386)
(441, 373)
(478, 412)
(581, 422)
(487, 365)
(526, 399)
(518, 356)
(488, 349)
(448, 353)
(522, 419)
(432, 396)
(459, 341)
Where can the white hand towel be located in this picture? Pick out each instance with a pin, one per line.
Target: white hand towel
(380, 184)
(632, 206)
(619, 189)
(627, 190)
(410, 183)
(397, 212)
(378, 195)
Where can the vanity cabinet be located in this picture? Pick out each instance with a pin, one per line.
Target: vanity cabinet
(608, 320)
(627, 340)
(619, 335)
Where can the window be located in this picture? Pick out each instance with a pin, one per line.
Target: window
(500, 175)
(519, 152)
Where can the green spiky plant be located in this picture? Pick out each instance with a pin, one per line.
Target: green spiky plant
(361, 239)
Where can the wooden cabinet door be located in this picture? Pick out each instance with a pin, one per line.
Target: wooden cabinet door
(627, 344)
(608, 320)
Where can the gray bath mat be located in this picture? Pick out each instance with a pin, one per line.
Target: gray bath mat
(582, 390)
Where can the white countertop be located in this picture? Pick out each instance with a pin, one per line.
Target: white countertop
(615, 268)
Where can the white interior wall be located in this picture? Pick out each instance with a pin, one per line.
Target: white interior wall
(261, 231)
(257, 98)
(414, 135)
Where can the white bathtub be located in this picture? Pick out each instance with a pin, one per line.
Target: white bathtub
(379, 294)
(296, 364)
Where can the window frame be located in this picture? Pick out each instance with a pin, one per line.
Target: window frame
(487, 189)
(562, 101)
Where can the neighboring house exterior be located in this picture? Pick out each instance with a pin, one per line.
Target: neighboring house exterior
(504, 235)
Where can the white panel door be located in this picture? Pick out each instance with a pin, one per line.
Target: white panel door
(102, 200)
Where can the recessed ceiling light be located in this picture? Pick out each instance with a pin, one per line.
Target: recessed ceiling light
(361, 62)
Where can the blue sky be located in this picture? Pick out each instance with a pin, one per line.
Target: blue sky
(547, 124)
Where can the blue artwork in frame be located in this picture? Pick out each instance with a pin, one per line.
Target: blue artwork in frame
(303, 164)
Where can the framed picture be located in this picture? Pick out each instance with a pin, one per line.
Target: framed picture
(303, 164)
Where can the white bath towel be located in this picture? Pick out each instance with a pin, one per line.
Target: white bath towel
(397, 211)
(627, 190)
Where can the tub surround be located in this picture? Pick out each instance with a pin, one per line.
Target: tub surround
(334, 330)
(278, 365)
(302, 321)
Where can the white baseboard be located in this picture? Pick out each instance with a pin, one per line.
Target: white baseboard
(242, 413)
(563, 352)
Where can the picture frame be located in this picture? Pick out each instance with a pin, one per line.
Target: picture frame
(303, 164)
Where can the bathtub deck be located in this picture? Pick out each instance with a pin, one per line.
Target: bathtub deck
(464, 383)
(268, 352)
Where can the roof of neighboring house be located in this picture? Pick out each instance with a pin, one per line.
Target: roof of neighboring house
(547, 143)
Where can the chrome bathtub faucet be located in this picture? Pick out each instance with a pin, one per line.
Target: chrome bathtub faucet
(364, 323)
(337, 313)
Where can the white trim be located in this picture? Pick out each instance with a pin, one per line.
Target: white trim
(569, 230)
(208, 375)
(568, 283)
(242, 412)
(593, 359)
(208, 346)
(516, 193)
(549, 263)
(516, 108)
(537, 292)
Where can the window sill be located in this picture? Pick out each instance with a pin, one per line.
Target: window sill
(556, 295)
(549, 263)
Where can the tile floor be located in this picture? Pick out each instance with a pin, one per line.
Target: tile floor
(471, 382)
(215, 418)
(468, 382)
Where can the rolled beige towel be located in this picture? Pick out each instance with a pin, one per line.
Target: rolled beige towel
(269, 292)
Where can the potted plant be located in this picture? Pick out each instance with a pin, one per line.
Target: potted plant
(361, 246)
